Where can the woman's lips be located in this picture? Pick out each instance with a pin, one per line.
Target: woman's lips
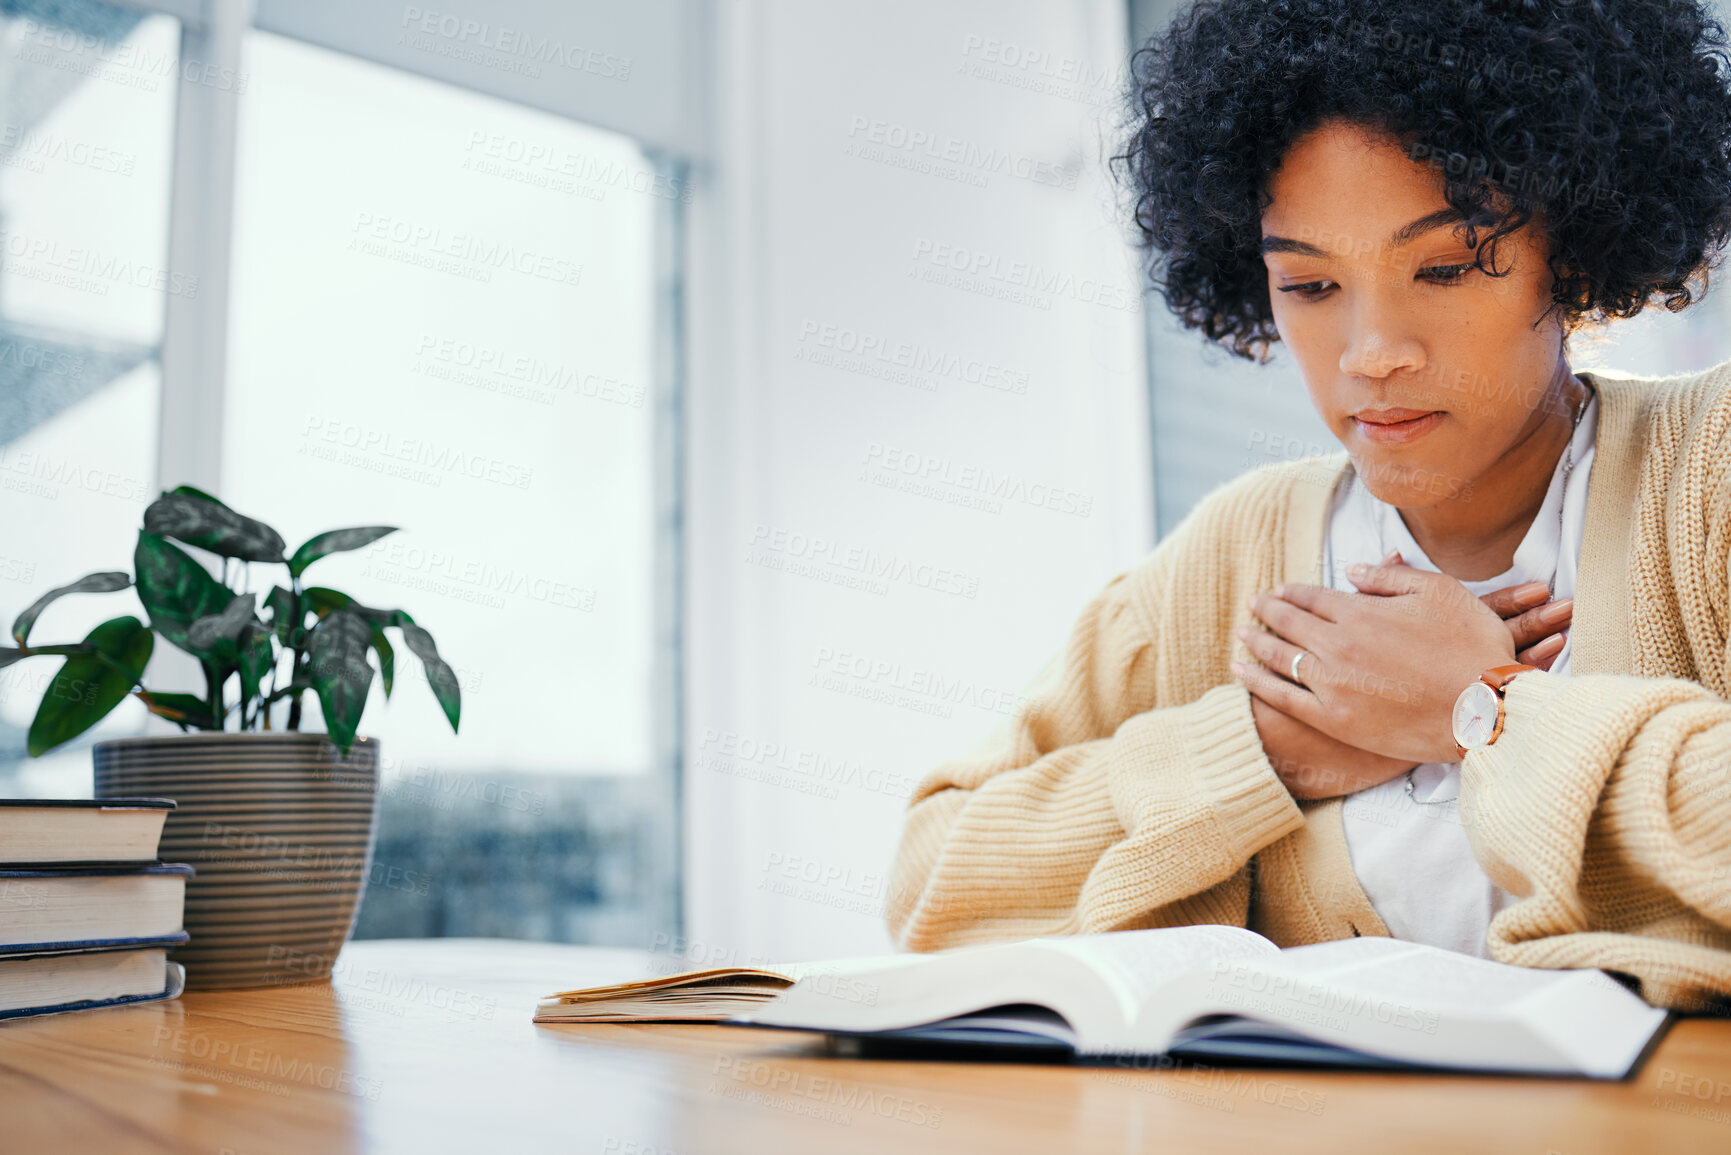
(1398, 431)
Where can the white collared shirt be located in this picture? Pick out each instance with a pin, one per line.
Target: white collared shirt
(1408, 847)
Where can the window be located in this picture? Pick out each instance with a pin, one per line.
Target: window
(85, 151)
(443, 318)
(446, 299)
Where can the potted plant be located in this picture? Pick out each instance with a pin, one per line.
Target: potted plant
(278, 823)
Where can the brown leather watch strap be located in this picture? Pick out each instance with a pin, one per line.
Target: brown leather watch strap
(1497, 677)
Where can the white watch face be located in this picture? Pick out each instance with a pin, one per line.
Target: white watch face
(1475, 715)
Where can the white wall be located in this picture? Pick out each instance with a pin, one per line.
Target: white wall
(795, 782)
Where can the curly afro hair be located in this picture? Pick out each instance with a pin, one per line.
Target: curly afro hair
(1607, 120)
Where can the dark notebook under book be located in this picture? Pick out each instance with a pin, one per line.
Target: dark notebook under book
(87, 914)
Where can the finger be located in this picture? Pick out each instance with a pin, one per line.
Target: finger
(1383, 579)
(1276, 653)
(1389, 559)
(1543, 654)
(1277, 692)
(1537, 663)
(1296, 625)
(1539, 623)
(1327, 604)
(1511, 600)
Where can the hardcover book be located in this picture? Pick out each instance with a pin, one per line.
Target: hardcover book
(81, 831)
(1217, 993)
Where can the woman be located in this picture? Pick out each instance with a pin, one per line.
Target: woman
(1257, 724)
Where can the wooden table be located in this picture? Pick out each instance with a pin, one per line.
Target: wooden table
(427, 1046)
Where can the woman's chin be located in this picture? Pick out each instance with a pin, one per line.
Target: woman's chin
(1397, 479)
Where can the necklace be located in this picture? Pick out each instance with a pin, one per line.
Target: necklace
(1424, 801)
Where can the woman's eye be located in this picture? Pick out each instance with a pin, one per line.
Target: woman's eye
(1448, 274)
(1308, 290)
(1436, 274)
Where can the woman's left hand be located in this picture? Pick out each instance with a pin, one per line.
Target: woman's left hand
(1383, 671)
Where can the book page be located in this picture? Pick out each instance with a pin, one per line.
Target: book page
(847, 966)
(1438, 979)
(989, 1026)
(910, 991)
(1420, 1004)
(1134, 963)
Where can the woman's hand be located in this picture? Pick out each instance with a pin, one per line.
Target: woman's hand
(1534, 623)
(1379, 672)
(1314, 765)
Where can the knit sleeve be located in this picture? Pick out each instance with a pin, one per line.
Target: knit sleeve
(1606, 805)
(1094, 807)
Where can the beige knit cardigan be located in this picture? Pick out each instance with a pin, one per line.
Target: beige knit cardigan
(1130, 789)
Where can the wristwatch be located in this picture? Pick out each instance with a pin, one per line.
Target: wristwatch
(1478, 716)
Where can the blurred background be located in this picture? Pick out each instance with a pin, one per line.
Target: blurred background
(762, 387)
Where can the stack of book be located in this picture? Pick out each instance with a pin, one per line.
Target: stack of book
(87, 913)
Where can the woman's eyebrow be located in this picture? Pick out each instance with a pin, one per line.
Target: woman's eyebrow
(1404, 235)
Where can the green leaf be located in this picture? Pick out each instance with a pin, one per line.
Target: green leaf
(125, 643)
(88, 686)
(97, 583)
(175, 589)
(341, 674)
(439, 675)
(387, 659)
(193, 491)
(281, 604)
(257, 656)
(217, 636)
(322, 601)
(209, 524)
(335, 541)
(184, 709)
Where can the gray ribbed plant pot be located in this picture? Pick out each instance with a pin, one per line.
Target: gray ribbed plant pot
(279, 827)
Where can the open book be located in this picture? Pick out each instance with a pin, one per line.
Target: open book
(1212, 992)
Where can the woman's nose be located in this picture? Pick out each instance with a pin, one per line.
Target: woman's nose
(1379, 346)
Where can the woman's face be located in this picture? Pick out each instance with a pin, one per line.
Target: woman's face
(1388, 327)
